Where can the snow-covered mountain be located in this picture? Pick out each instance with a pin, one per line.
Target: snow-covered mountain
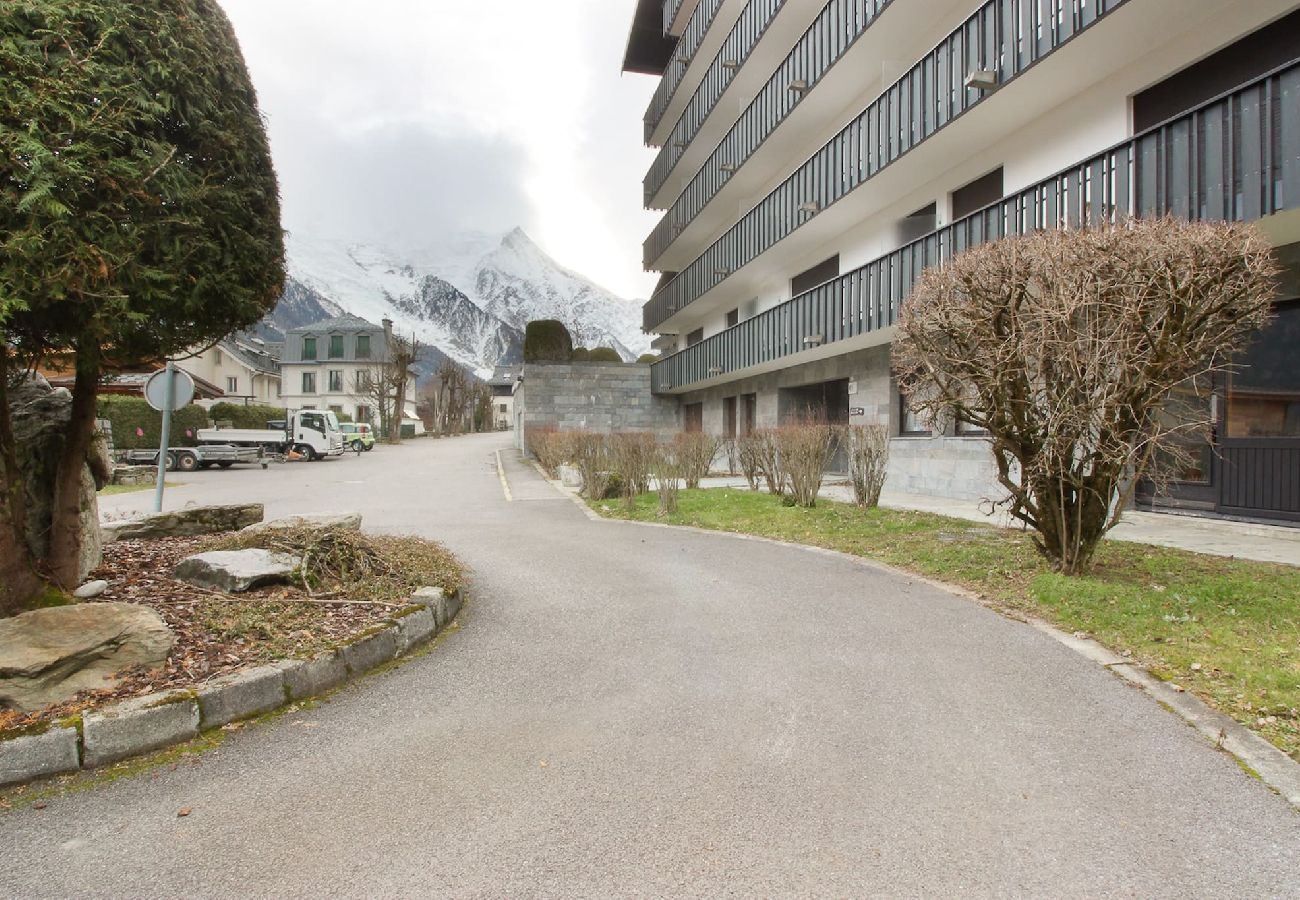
(469, 298)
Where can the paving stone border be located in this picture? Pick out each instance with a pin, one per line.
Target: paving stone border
(152, 721)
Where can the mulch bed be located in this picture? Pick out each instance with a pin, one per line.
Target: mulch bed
(215, 633)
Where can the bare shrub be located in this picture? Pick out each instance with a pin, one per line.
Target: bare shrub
(694, 451)
(767, 449)
(633, 455)
(667, 470)
(867, 449)
(1065, 344)
(749, 457)
(732, 452)
(804, 449)
(545, 445)
(590, 454)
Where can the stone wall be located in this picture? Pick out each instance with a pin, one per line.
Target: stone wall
(603, 397)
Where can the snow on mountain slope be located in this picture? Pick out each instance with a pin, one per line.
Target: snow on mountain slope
(470, 297)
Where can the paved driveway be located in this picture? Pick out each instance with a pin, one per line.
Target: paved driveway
(642, 711)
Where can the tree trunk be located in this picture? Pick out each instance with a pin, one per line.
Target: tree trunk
(19, 583)
(65, 527)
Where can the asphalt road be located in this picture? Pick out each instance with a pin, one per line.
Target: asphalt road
(644, 711)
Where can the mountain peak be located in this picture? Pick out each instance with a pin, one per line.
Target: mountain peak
(518, 239)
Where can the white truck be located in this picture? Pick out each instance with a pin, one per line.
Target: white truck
(312, 433)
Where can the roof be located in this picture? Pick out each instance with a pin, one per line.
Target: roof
(648, 48)
(505, 376)
(132, 384)
(338, 323)
(256, 358)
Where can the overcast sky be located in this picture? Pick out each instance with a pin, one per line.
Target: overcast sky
(403, 121)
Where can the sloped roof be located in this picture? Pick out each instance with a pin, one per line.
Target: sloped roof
(505, 375)
(338, 323)
(258, 360)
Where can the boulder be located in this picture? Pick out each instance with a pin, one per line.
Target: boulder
(187, 522)
(90, 589)
(570, 476)
(48, 655)
(40, 414)
(319, 521)
(237, 570)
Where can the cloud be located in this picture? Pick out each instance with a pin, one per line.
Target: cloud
(402, 121)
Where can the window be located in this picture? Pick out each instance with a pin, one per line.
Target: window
(363, 413)
(309, 348)
(733, 318)
(909, 421)
(729, 417)
(978, 194)
(821, 273)
(336, 381)
(232, 385)
(502, 408)
(693, 417)
(1264, 393)
(968, 429)
(364, 381)
(309, 382)
(694, 337)
(363, 346)
(336, 346)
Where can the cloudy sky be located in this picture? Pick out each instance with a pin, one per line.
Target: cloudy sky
(402, 122)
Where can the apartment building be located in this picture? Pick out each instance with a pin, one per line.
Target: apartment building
(245, 369)
(814, 156)
(334, 364)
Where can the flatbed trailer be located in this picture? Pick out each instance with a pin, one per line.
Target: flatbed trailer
(187, 459)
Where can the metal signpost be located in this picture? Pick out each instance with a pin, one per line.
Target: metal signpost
(167, 389)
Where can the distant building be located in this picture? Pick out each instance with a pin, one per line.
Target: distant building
(332, 365)
(816, 156)
(246, 370)
(502, 384)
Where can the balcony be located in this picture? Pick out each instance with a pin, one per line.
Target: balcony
(751, 25)
(687, 46)
(836, 29)
(1236, 158)
(1004, 37)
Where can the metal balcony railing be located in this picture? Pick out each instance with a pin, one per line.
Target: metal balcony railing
(687, 46)
(1235, 158)
(1003, 36)
(836, 29)
(753, 21)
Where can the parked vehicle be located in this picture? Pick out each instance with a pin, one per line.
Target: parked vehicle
(187, 459)
(357, 436)
(311, 433)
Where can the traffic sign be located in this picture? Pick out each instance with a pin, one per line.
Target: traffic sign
(182, 394)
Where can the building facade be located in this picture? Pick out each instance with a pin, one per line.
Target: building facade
(335, 364)
(502, 384)
(245, 370)
(815, 156)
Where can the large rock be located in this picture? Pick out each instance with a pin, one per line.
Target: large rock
(48, 655)
(237, 570)
(319, 521)
(187, 522)
(40, 416)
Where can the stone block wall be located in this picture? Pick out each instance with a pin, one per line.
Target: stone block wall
(603, 397)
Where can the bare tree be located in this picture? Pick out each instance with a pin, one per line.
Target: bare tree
(385, 384)
(1064, 345)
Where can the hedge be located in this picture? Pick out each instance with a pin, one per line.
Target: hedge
(241, 416)
(547, 340)
(130, 415)
(605, 354)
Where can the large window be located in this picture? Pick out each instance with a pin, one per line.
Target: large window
(336, 381)
(821, 273)
(309, 348)
(309, 382)
(363, 346)
(1264, 394)
(909, 420)
(977, 195)
(729, 417)
(694, 337)
(748, 413)
(336, 346)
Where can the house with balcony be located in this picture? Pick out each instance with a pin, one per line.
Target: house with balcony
(813, 157)
(334, 364)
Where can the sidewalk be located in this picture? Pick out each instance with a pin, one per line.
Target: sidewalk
(1218, 537)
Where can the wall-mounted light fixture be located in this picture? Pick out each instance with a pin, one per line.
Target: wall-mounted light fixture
(810, 208)
(732, 64)
(982, 80)
(722, 272)
(797, 87)
(728, 167)
(814, 340)
(715, 370)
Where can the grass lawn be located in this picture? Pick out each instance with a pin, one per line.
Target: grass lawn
(1228, 630)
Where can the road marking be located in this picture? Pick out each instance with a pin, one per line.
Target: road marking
(501, 473)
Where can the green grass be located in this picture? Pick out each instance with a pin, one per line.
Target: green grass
(1237, 622)
(110, 489)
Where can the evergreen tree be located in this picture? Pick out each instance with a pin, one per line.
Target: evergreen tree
(139, 212)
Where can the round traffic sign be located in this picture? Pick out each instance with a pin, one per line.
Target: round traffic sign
(155, 389)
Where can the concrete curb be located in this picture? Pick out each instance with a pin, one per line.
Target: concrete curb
(152, 721)
(1273, 767)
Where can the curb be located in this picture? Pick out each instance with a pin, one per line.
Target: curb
(1273, 767)
(153, 721)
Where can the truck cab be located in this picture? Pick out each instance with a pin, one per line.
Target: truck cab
(316, 431)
